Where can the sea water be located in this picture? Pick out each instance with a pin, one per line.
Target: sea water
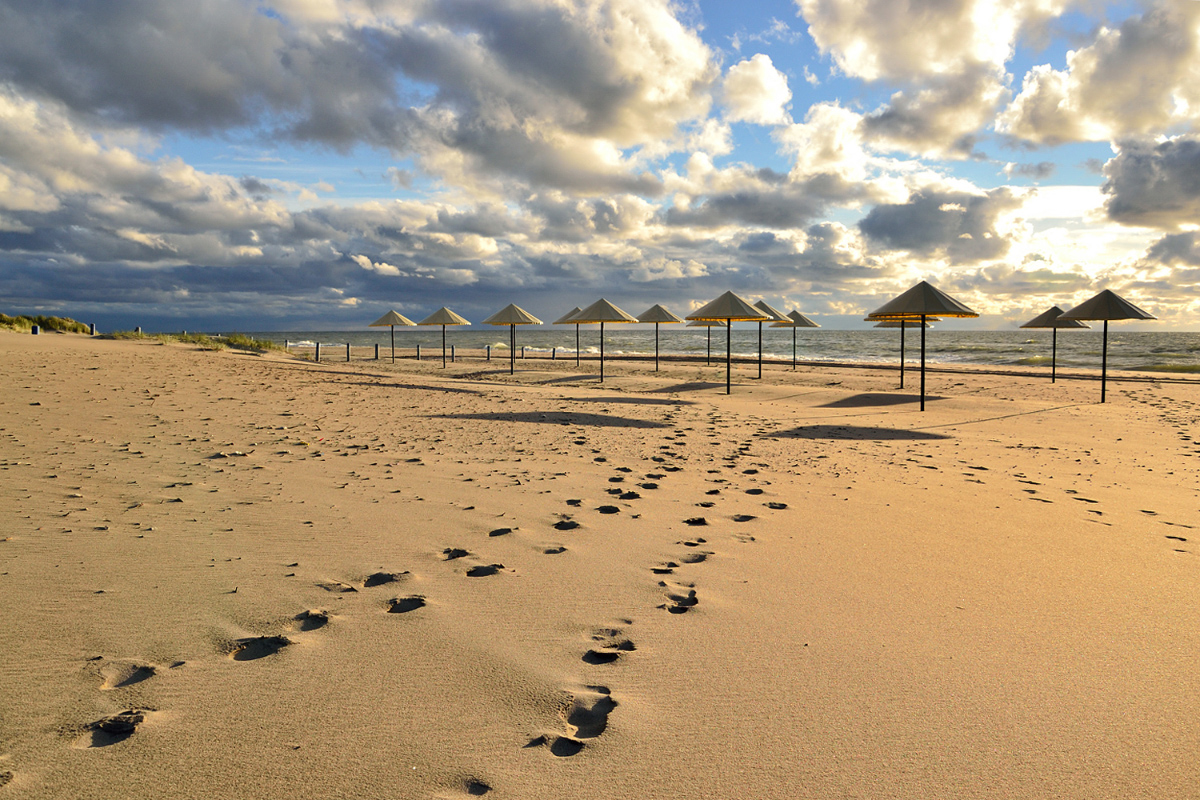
(1168, 352)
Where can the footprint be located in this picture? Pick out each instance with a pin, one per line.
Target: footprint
(382, 578)
(743, 517)
(337, 587)
(629, 496)
(451, 553)
(588, 712)
(706, 504)
(648, 485)
(117, 727)
(695, 521)
(776, 506)
(682, 598)
(610, 644)
(566, 525)
(754, 491)
(575, 503)
(312, 619)
(666, 569)
(608, 509)
(553, 550)
(484, 570)
(693, 542)
(118, 675)
(695, 557)
(475, 787)
(402, 605)
(256, 647)
(500, 532)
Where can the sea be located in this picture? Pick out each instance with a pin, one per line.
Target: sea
(1143, 351)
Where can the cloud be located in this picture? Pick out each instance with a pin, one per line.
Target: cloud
(1139, 79)
(1039, 171)
(755, 91)
(539, 91)
(904, 40)
(936, 223)
(1154, 184)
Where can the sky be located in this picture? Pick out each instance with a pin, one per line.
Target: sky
(310, 164)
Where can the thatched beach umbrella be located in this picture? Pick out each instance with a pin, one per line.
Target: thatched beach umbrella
(602, 311)
(728, 308)
(795, 320)
(391, 319)
(444, 316)
(709, 324)
(1052, 318)
(658, 315)
(774, 315)
(567, 319)
(512, 315)
(921, 302)
(1105, 306)
(903, 324)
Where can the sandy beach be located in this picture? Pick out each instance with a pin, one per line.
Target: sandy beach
(231, 575)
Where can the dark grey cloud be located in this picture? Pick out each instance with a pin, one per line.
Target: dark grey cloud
(955, 225)
(1039, 171)
(1154, 184)
(1176, 248)
(770, 200)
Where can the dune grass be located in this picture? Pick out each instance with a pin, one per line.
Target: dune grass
(236, 341)
(25, 323)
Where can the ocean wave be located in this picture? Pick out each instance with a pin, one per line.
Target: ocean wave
(1184, 368)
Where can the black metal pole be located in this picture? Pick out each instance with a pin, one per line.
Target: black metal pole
(760, 350)
(728, 354)
(922, 361)
(602, 352)
(655, 347)
(393, 329)
(576, 344)
(443, 347)
(512, 349)
(793, 347)
(1104, 362)
(708, 351)
(1053, 353)
(903, 328)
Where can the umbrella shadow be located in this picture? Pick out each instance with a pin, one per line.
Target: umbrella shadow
(694, 386)
(636, 401)
(418, 386)
(856, 432)
(876, 399)
(559, 418)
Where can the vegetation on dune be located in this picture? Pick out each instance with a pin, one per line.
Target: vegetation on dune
(236, 341)
(25, 323)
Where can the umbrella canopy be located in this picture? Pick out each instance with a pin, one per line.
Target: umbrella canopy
(601, 312)
(658, 315)
(444, 316)
(776, 316)
(710, 324)
(794, 319)
(921, 302)
(390, 320)
(567, 319)
(512, 315)
(728, 308)
(1051, 318)
(904, 324)
(1105, 306)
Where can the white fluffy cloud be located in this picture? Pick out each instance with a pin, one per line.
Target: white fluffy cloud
(755, 91)
(1140, 78)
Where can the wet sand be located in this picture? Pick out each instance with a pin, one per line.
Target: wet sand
(236, 575)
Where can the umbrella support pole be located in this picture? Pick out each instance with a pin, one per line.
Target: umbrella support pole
(922, 361)
(443, 347)
(1104, 362)
(903, 326)
(760, 351)
(708, 348)
(793, 349)
(1053, 352)
(656, 347)
(577, 346)
(602, 352)
(393, 327)
(512, 349)
(728, 356)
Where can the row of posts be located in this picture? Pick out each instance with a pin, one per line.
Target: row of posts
(488, 348)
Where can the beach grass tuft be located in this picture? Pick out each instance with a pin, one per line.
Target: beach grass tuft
(26, 323)
(204, 341)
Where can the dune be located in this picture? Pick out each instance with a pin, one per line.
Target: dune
(226, 574)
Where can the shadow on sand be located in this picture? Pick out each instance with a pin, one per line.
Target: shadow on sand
(856, 432)
(559, 418)
(876, 399)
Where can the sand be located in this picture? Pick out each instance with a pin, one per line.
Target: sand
(229, 575)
